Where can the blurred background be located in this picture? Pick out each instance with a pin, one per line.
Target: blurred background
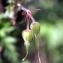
(50, 17)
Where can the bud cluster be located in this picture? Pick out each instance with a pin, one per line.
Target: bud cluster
(27, 34)
(31, 29)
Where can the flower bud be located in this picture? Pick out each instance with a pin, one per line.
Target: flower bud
(35, 27)
(27, 35)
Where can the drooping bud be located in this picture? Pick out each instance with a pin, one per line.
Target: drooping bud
(27, 35)
(35, 27)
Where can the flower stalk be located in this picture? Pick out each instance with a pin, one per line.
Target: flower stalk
(29, 12)
(35, 28)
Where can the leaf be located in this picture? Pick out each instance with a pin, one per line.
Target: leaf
(11, 55)
(2, 33)
(9, 39)
(9, 29)
(10, 47)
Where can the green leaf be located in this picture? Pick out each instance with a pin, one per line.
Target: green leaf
(2, 33)
(10, 47)
(11, 55)
(9, 29)
(9, 39)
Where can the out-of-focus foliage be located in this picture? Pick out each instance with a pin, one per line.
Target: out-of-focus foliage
(50, 18)
(7, 41)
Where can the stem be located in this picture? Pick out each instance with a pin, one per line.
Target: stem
(27, 24)
(26, 53)
(27, 11)
(33, 20)
(23, 8)
(37, 44)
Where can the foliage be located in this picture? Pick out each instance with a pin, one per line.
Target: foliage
(7, 41)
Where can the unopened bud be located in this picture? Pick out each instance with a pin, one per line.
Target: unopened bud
(35, 27)
(27, 35)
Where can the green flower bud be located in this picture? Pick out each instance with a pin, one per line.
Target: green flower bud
(27, 35)
(35, 27)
